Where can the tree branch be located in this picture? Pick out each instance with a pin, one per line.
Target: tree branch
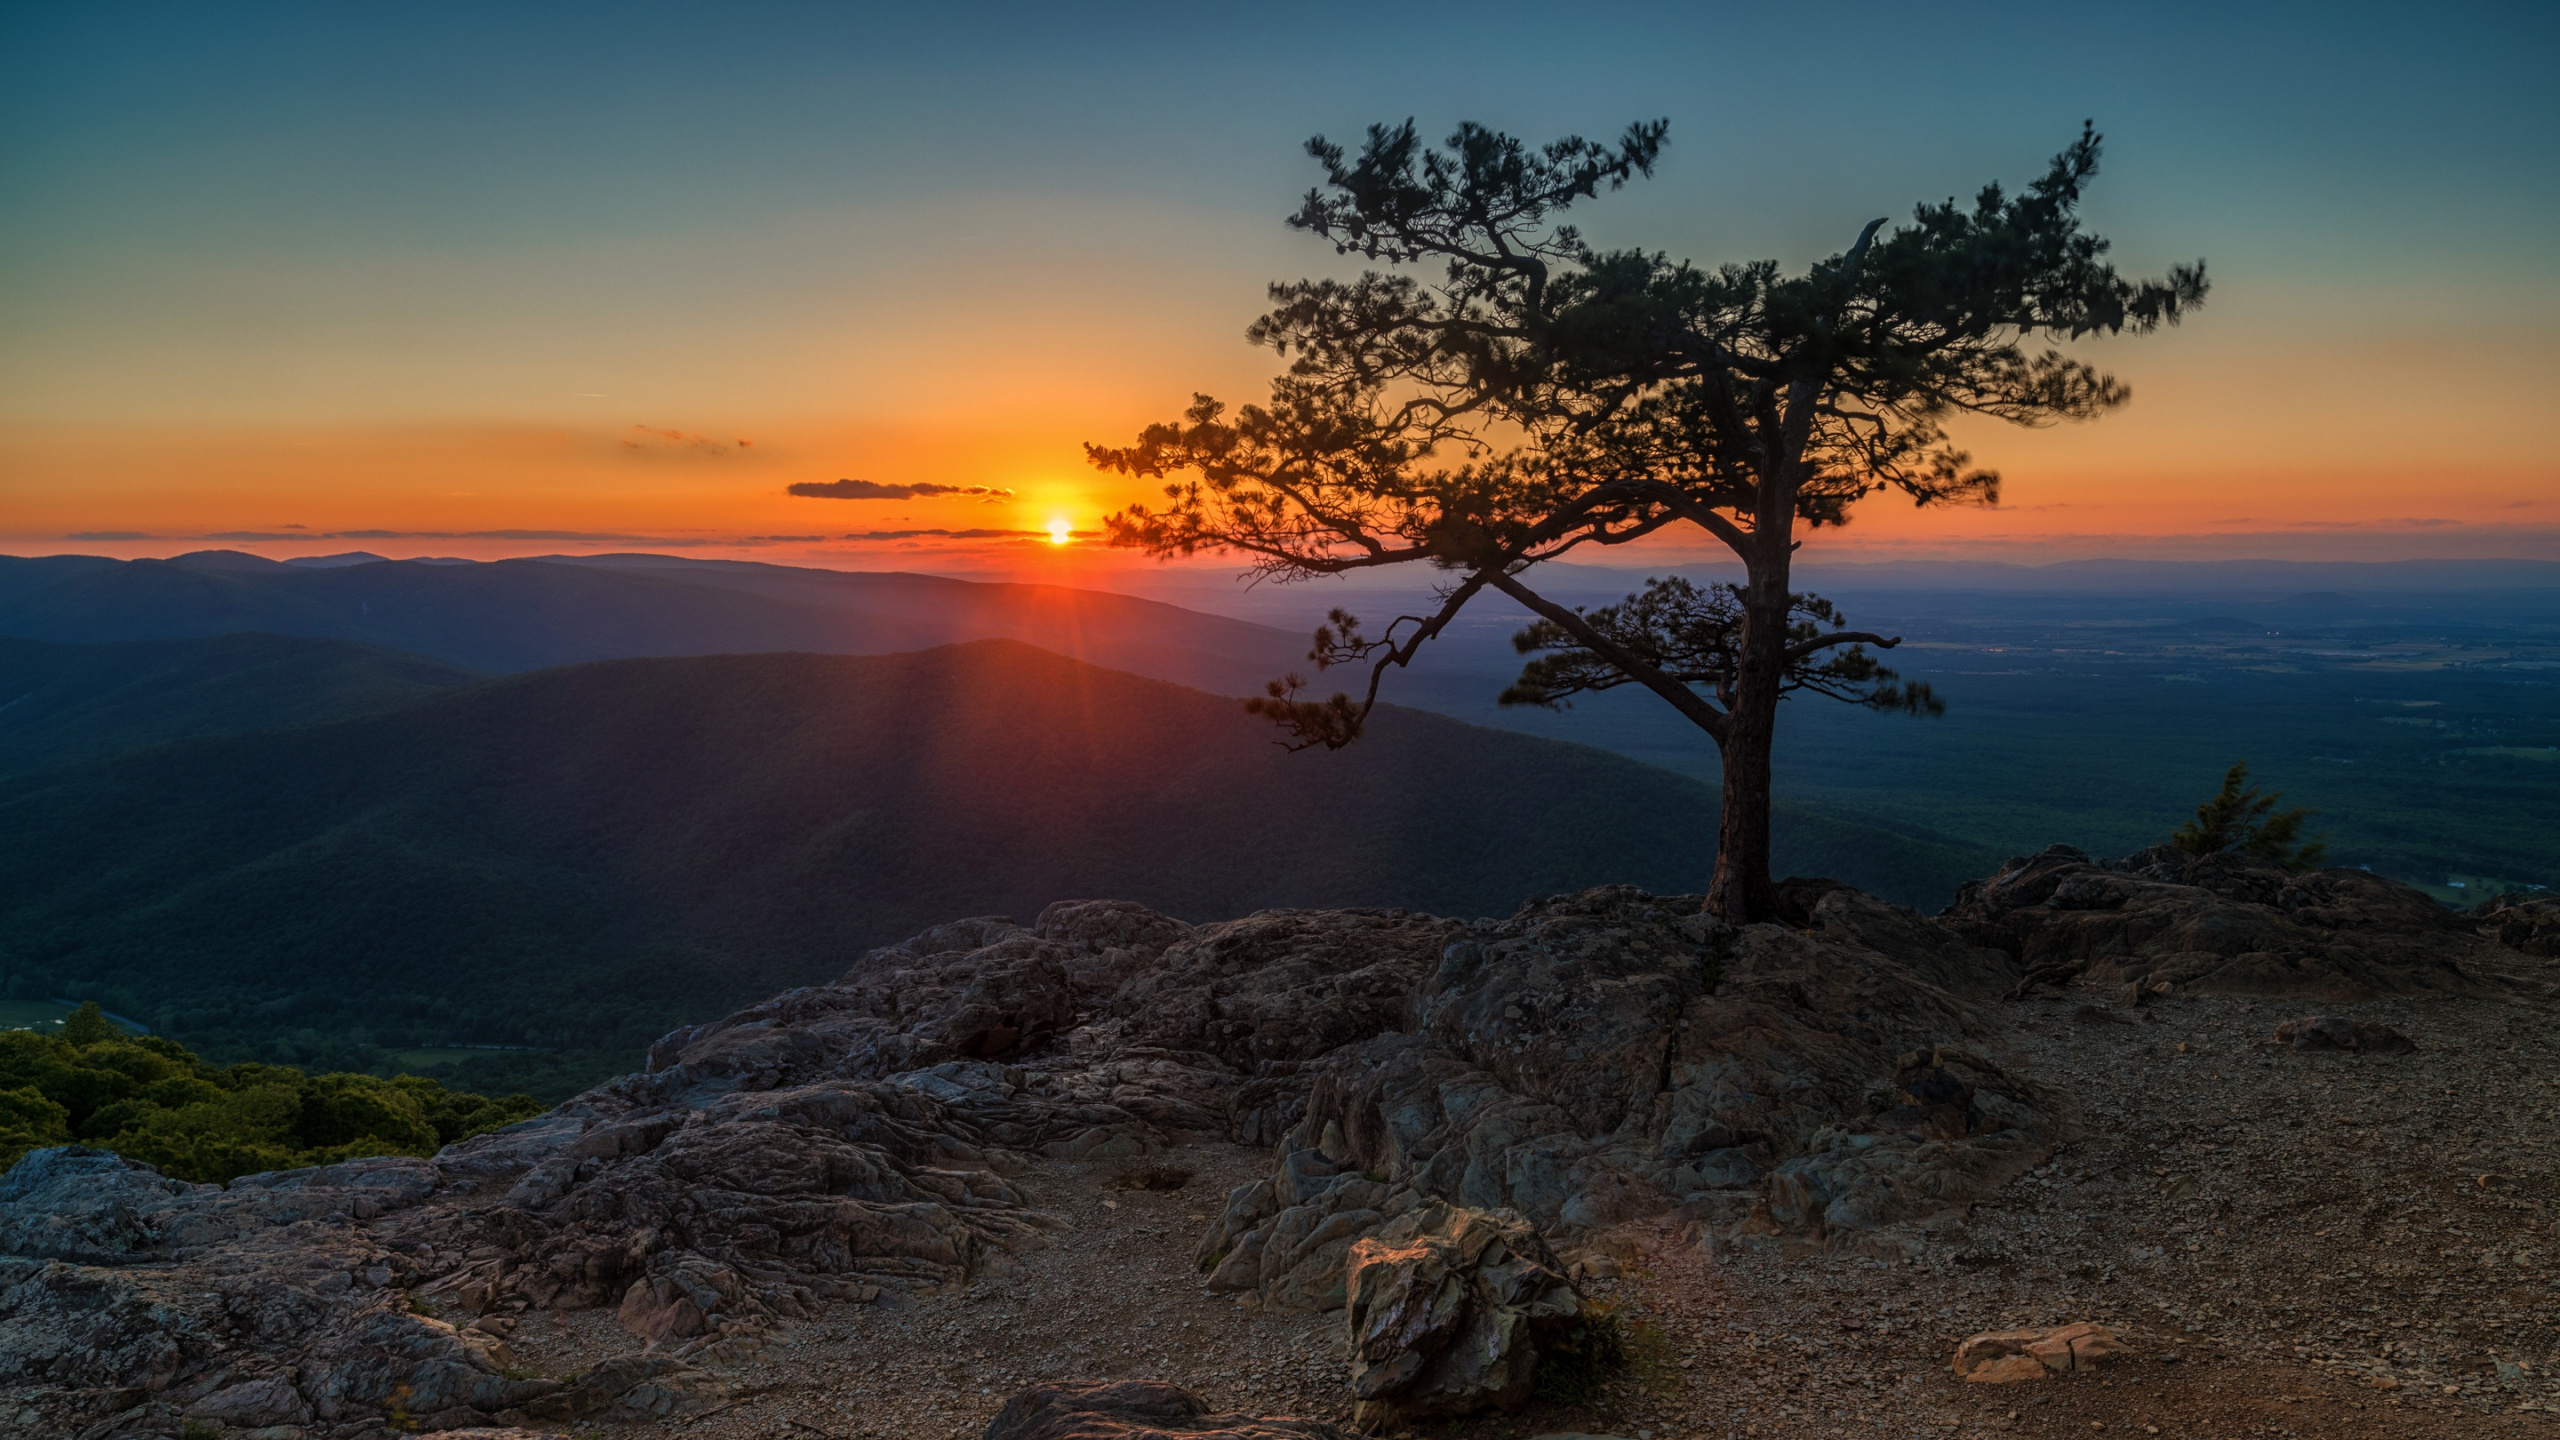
(1681, 503)
(1687, 701)
(1802, 648)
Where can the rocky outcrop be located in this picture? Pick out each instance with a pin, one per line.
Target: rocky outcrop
(1615, 1055)
(2220, 923)
(1449, 1308)
(824, 1146)
(1423, 1084)
(1611, 1055)
(1136, 1410)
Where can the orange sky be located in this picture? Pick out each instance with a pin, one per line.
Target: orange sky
(531, 274)
(2222, 440)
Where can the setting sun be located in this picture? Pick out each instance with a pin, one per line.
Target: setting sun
(1059, 531)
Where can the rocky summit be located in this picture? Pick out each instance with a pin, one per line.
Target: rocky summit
(1444, 1156)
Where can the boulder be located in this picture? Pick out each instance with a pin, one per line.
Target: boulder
(1447, 1310)
(2004, 1357)
(2332, 1032)
(1136, 1410)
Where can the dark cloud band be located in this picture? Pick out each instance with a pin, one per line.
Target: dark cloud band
(874, 490)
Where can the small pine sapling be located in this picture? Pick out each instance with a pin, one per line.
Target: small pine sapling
(2241, 817)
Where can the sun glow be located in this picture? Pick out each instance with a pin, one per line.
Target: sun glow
(1059, 532)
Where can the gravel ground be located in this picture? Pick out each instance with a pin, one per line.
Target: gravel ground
(2296, 1245)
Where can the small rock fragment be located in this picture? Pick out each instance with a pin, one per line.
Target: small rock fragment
(2002, 1357)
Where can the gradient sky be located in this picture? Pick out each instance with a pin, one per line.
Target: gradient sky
(615, 276)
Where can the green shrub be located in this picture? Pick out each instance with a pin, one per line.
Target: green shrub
(156, 1101)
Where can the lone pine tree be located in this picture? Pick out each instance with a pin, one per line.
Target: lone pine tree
(1541, 395)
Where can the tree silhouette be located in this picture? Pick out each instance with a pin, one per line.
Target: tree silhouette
(1540, 396)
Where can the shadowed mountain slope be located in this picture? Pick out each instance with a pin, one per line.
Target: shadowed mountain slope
(60, 703)
(581, 858)
(514, 615)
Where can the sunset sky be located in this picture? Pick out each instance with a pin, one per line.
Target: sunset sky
(511, 279)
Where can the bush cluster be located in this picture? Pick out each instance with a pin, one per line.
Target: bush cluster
(154, 1100)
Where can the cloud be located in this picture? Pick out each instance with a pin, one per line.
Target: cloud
(106, 535)
(293, 532)
(650, 437)
(874, 490)
(580, 537)
(961, 534)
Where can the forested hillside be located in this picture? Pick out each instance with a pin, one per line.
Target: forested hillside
(60, 703)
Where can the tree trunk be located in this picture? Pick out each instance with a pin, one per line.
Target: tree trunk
(1742, 891)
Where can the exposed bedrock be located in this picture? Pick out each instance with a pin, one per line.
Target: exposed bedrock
(1614, 1055)
(266, 1302)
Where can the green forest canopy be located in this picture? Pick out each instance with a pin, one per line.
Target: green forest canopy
(152, 1099)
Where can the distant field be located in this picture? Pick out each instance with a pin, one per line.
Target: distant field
(2423, 730)
(31, 1014)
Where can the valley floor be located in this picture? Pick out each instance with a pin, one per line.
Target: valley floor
(2295, 1244)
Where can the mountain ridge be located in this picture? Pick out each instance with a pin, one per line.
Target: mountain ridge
(512, 615)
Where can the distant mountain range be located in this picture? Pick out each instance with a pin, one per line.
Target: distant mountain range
(513, 615)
